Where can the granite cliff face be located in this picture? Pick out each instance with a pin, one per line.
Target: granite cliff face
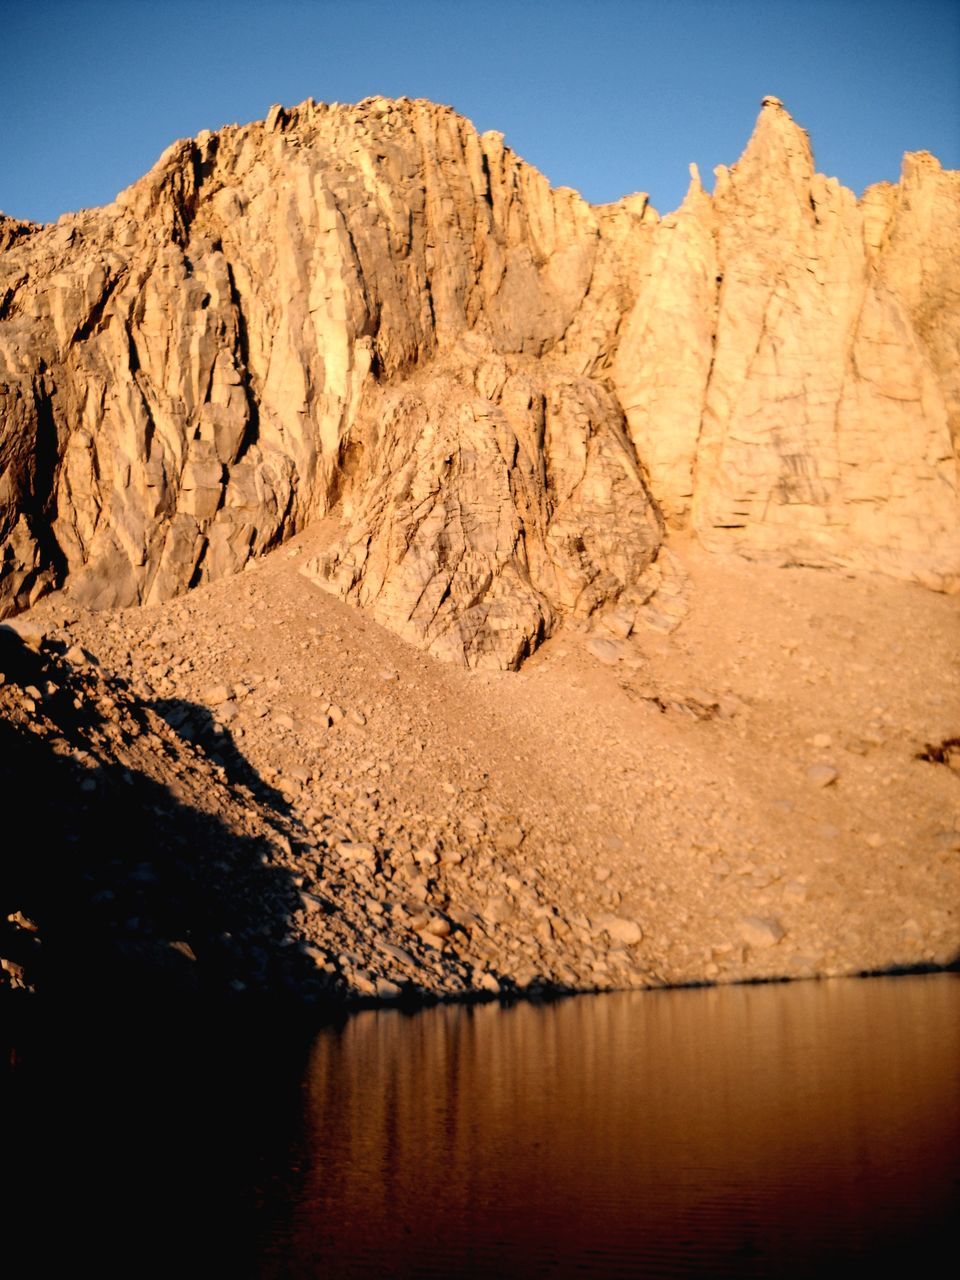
(510, 397)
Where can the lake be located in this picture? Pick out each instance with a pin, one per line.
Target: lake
(743, 1131)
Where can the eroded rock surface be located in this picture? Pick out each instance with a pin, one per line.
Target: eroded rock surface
(492, 500)
(783, 375)
(259, 789)
(506, 392)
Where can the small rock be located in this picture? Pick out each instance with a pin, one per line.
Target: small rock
(357, 851)
(419, 887)
(396, 953)
(545, 932)
(496, 910)
(23, 922)
(729, 705)
(317, 955)
(619, 622)
(759, 931)
(436, 925)
(387, 990)
(823, 774)
(609, 652)
(15, 970)
(29, 633)
(624, 930)
(510, 836)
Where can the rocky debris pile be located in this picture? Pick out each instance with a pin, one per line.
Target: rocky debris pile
(140, 866)
(260, 790)
(169, 861)
(507, 393)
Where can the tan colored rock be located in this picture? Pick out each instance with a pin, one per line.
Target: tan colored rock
(483, 518)
(506, 393)
(822, 774)
(793, 319)
(624, 930)
(759, 931)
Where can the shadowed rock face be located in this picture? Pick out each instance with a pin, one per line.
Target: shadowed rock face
(510, 393)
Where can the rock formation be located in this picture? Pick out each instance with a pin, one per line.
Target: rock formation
(509, 396)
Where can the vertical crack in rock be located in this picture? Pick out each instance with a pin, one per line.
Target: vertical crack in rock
(510, 396)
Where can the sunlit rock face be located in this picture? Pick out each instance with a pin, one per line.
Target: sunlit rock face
(790, 372)
(509, 395)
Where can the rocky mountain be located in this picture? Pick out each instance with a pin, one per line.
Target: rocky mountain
(511, 399)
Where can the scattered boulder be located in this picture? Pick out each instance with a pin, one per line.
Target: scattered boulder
(761, 931)
(624, 930)
(823, 774)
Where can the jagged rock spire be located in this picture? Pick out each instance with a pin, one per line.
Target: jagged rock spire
(377, 310)
(778, 151)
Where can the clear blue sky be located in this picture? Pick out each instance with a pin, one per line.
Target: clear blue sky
(608, 96)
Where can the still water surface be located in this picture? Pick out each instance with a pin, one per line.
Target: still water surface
(809, 1129)
(749, 1131)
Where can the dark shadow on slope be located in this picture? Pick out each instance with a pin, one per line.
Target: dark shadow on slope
(126, 889)
(197, 725)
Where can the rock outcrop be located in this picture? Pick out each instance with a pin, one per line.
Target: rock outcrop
(783, 374)
(508, 395)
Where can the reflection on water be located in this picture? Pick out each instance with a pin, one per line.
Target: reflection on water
(750, 1130)
(755, 1131)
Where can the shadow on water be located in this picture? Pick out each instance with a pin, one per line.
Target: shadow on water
(149, 1080)
(138, 1144)
(134, 892)
(802, 1130)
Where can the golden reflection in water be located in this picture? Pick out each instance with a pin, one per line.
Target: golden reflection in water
(746, 1127)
